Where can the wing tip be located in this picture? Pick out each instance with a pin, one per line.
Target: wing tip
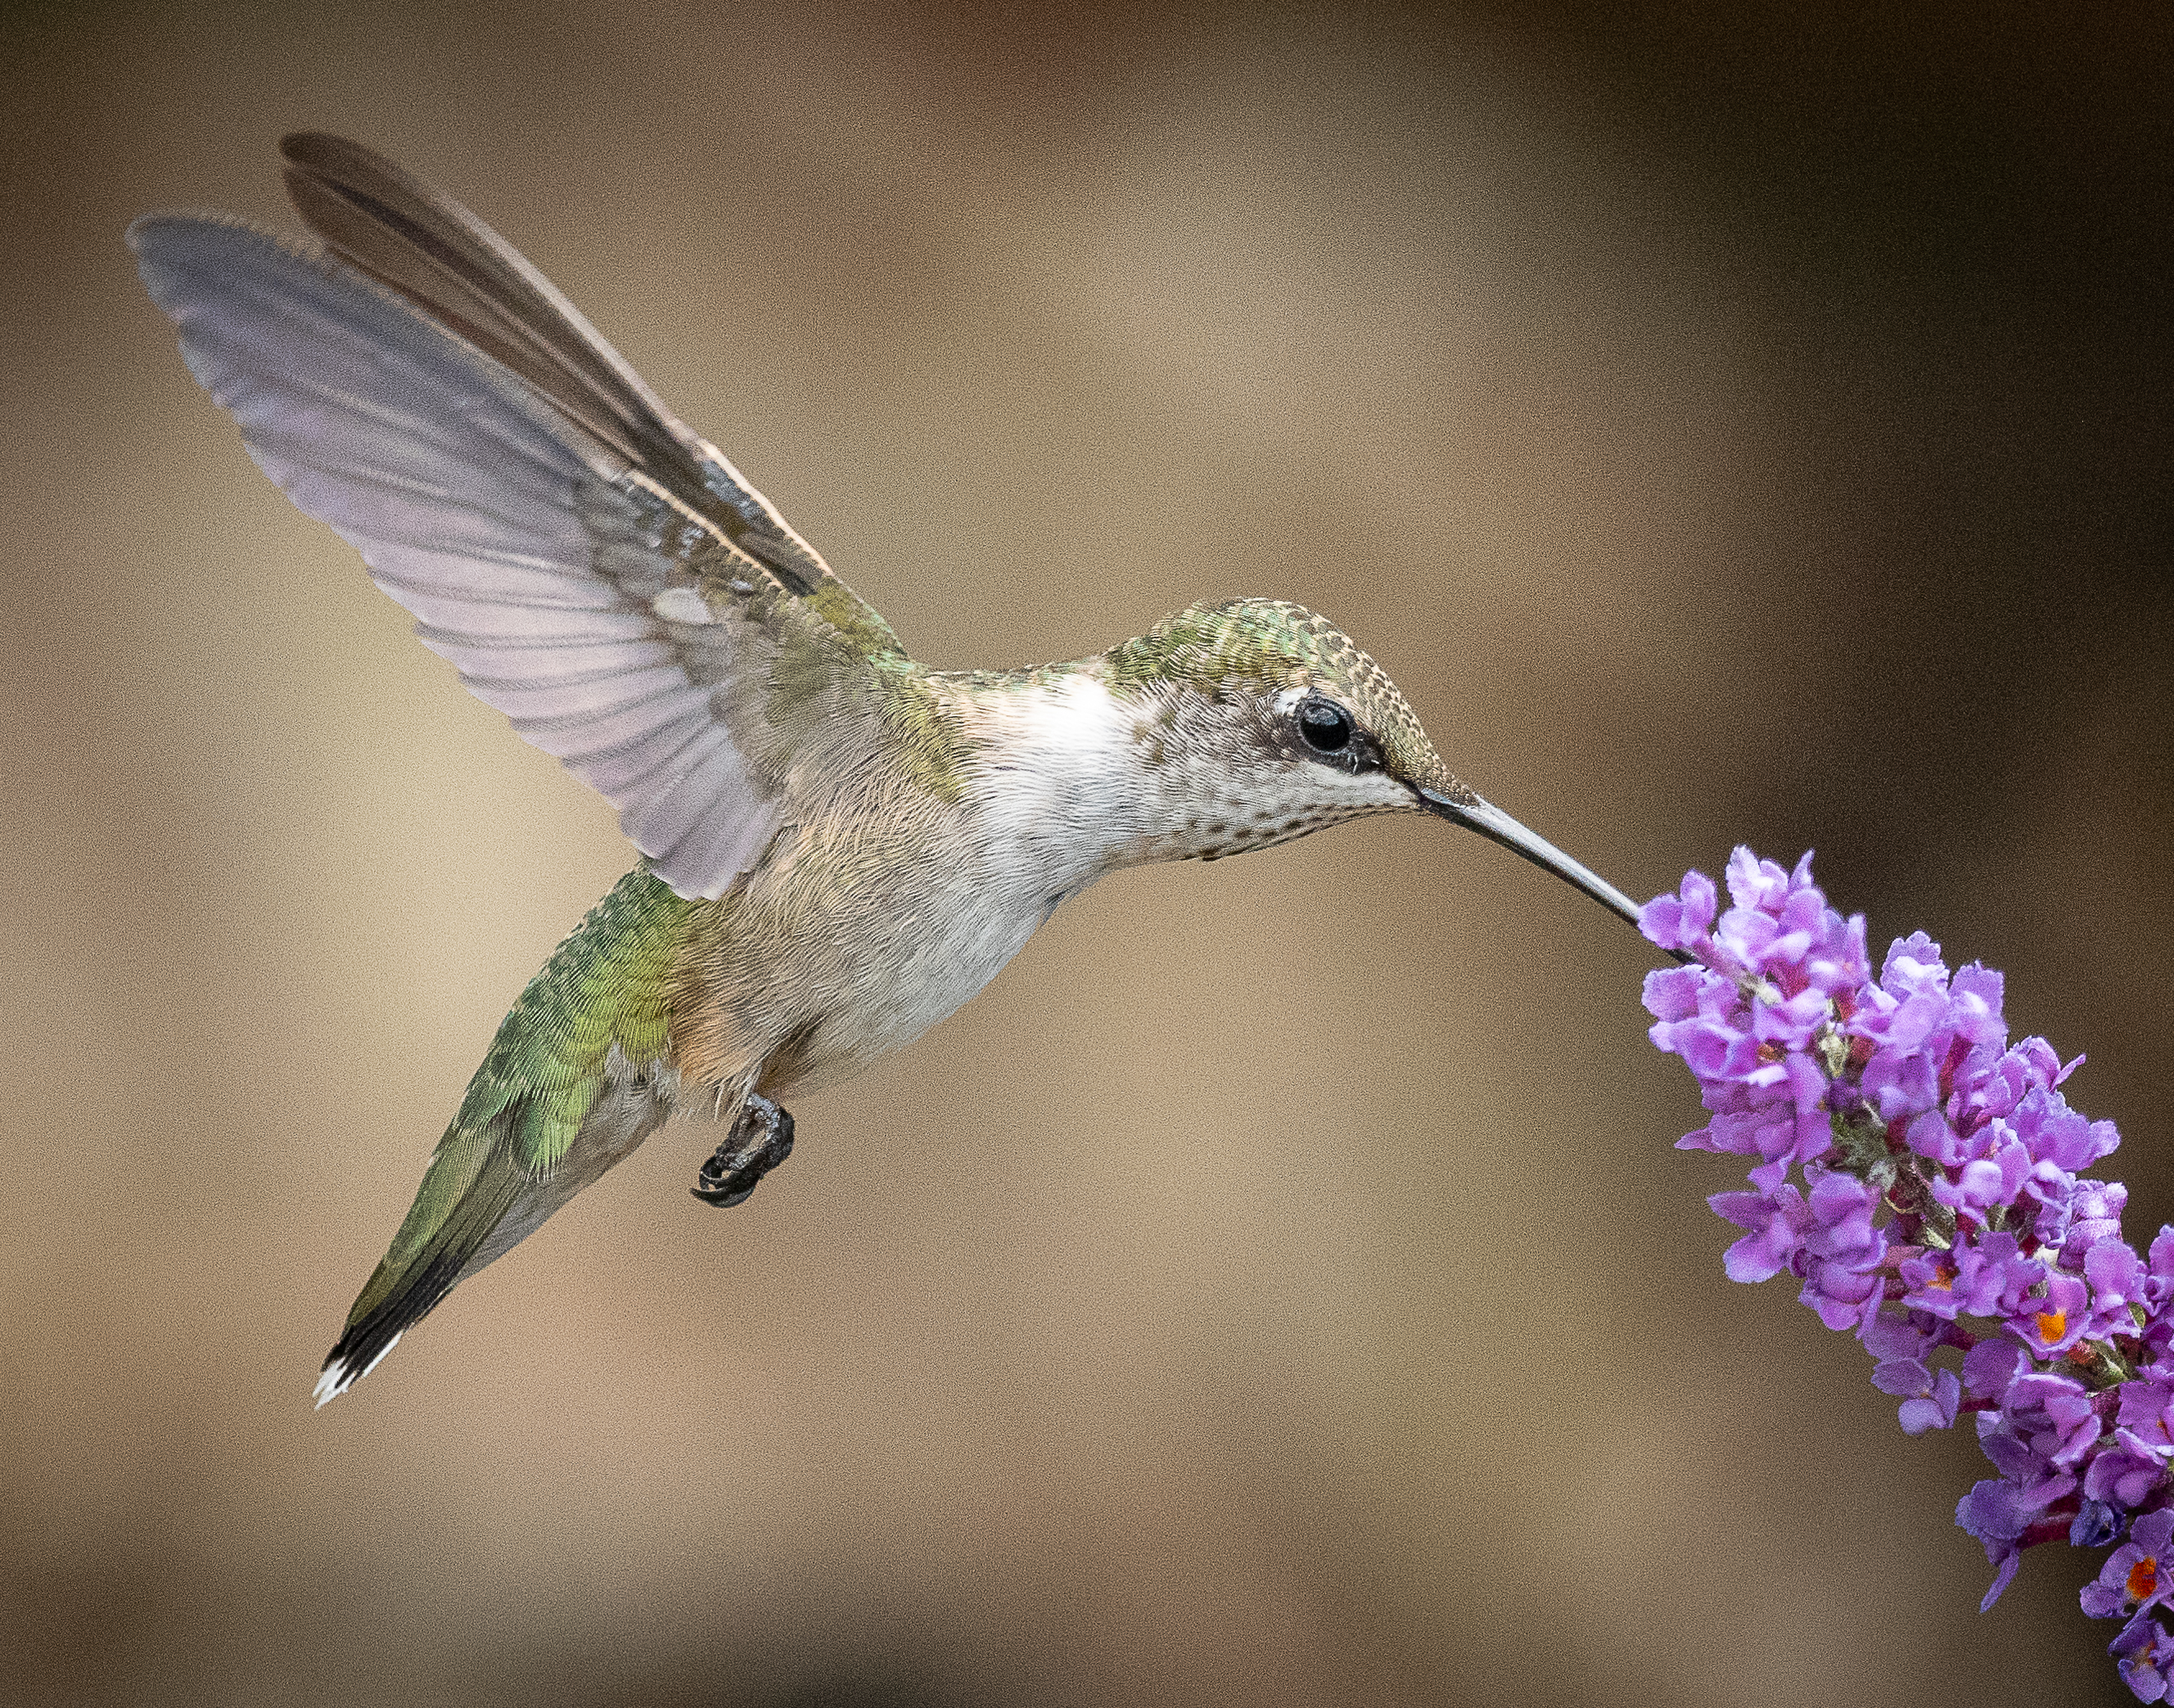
(307, 148)
(159, 241)
(146, 231)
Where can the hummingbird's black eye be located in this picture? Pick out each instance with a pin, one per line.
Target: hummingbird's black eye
(1325, 726)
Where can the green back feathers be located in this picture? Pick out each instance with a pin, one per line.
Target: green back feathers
(608, 985)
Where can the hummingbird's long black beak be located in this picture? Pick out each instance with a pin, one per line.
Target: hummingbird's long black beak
(1498, 826)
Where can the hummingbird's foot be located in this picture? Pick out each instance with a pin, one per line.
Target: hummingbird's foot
(761, 1138)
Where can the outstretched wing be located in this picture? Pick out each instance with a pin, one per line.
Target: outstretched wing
(428, 248)
(592, 569)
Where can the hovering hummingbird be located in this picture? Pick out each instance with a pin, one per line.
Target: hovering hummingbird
(840, 845)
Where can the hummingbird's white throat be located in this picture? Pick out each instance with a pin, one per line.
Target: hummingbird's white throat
(1055, 778)
(1080, 780)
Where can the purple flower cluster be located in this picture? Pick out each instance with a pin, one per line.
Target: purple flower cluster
(1944, 1218)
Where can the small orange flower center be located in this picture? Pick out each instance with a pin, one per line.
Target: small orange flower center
(2052, 1324)
(2142, 1579)
(1944, 1277)
(1771, 1052)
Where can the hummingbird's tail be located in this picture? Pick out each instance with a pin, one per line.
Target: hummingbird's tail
(472, 1181)
(577, 1076)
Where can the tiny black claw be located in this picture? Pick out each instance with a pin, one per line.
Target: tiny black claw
(737, 1165)
(724, 1190)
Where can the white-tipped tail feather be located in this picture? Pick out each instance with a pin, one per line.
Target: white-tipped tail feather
(340, 1373)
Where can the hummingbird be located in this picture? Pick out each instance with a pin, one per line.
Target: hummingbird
(840, 847)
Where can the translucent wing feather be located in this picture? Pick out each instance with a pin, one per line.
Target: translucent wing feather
(594, 570)
(427, 247)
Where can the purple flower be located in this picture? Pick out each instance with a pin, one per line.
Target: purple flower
(1990, 1369)
(1974, 1006)
(2055, 1415)
(1778, 1221)
(1889, 1336)
(2138, 1574)
(2095, 1525)
(1837, 966)
(2053, 1190)
(1994, 1090)
(2117, 1277)
(2094, 1215)
(1913, 968)
(1930, 1396)
(2123, 1474)
(2053, 1322)
(1738, 1129)
(1842, 1208)
(2143, 1656)
(2147, 1408)
(1672, 993)
(1989, 1278)
(1997, 1512)
(2057, 1134)
(1713, 1049)
(1923, 1178)
(1681, 920)
(1845, 1295)
(1789, 1024)
(2158, 1272)
(1986, 1181)
(1756, 883)
(1927, 1130)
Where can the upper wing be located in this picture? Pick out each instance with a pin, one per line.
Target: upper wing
(594, 570)
(427, 247)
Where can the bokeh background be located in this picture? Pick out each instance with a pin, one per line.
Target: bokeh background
(1728, 424)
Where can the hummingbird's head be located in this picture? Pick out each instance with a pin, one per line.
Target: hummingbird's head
(1270, 722)
(1283, 707)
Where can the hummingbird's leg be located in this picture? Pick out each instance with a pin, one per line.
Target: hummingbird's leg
(761, 1138)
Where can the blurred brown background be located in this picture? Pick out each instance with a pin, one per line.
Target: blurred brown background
(1727, 424)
